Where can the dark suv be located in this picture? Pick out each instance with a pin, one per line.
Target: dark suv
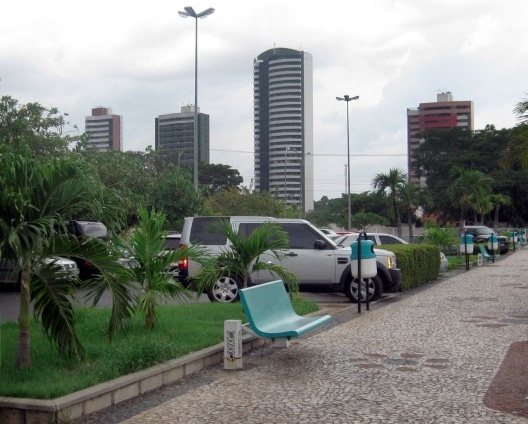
(481, 234)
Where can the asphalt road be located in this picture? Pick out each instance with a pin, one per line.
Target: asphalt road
(10, 303)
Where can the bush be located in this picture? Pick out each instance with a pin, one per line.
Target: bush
(419, 263)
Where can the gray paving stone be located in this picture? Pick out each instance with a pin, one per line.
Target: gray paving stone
(425, 357)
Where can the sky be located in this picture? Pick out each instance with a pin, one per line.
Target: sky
(137, 58)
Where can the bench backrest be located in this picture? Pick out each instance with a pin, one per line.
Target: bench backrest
(265, 303)
(483, 250)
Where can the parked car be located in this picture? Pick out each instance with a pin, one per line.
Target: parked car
(380, 239)
(86, 229)
(68, 266)
(10, 279)
(481, 234)
(318, 263)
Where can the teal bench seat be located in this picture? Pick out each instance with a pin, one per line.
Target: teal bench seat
(271, 314)
(485, 255)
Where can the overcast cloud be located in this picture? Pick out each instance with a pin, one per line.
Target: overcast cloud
(137, 57)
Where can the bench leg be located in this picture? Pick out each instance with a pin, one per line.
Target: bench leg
(281, 342)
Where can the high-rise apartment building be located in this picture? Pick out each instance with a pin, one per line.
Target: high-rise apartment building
(283, 125)
(104, 129)
(175, 135)
(444, 113)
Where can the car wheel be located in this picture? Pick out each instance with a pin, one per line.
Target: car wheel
(373, 285)
(225, 289)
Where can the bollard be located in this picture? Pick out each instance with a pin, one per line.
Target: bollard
(233, 344)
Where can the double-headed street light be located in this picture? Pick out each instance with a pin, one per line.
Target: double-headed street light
(189, 12)
(346, 98)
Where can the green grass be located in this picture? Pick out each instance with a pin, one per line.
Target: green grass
(179, 330)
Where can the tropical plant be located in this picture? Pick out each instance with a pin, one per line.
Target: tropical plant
(393, 183)
(499, 200)
(467, 186)
(36, 200)
(444, 238)
(242, 258)
(151, 264)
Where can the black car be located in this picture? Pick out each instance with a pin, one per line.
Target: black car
(481, 234)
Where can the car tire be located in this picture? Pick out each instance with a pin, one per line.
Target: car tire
(225, 290)
(374, 284)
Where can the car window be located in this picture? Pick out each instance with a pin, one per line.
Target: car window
(201, 232)
(373, 239)
(389, 240)
(172, 243)
(300, 236)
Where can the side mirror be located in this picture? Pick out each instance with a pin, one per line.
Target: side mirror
(320, 244)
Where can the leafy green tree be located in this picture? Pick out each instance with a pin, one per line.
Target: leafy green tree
(36, 199)
(243, 201)
(243, 256)
(363, 220)
(393, 183)
(131, 174)
(218, 177)
(151, 264)
(34, 126)
(174, 195)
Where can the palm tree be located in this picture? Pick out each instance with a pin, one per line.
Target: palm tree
(393, 182)
(517, 149)
(499, 200)
(151, 264)
(243, 258)
(35, 201)
(412, 196)
(468, 185)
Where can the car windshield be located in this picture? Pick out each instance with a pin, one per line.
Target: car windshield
(483, 231)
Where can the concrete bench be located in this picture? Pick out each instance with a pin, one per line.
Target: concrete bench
(485, 255)
(271, 314)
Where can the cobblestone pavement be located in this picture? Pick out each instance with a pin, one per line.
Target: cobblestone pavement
(427, 357)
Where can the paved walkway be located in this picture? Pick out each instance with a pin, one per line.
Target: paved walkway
(434, 356)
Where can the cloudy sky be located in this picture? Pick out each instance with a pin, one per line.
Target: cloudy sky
(137, 57)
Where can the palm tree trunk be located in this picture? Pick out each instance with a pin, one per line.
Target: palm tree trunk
(496, 218)
(23, 353)
(410, 224)
(150, 317)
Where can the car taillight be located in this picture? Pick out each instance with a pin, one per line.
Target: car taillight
(183, 263)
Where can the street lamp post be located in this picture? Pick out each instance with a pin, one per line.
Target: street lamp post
(346, 98)
(189, 12)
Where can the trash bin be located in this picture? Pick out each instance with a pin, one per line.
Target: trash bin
(363, 250)
(466, 244)
(493, 243)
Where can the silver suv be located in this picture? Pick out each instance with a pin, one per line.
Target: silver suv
(318, 263)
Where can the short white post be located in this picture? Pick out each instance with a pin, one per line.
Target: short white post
(233, 344)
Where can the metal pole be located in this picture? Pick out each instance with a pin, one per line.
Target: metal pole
(195, 132)
(348, 173)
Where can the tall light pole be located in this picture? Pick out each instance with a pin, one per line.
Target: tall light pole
(189, 12)
(346, 98)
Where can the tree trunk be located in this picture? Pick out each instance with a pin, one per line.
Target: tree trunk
(150, 317)
(496, 218)
(410, 224)
(23, 353)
